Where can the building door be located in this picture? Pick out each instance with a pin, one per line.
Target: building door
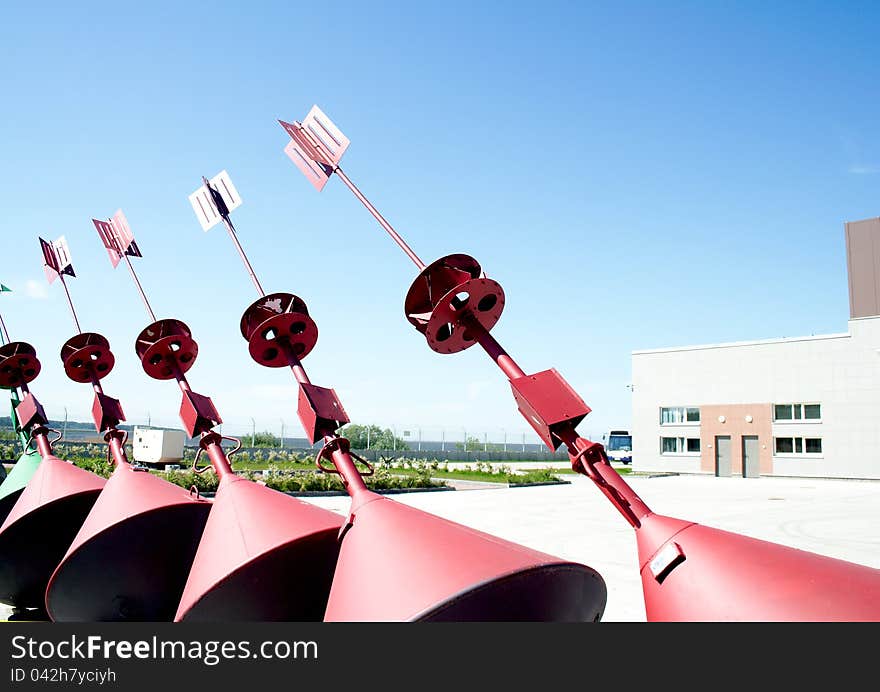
(751, 466)
(722, 455)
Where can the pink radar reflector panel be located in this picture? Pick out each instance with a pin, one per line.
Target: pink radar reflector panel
(316, 173)
(316, 146)
(117, 237)
(56, 258)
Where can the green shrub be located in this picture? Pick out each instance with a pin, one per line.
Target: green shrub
(536, 476)
(205, 482)
(99, 466)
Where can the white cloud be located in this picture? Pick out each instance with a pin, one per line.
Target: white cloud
(36, 289)
(863, 169)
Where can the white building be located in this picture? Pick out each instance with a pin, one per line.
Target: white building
(805, 406)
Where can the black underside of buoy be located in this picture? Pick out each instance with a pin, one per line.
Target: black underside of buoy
(134, 570)
(290, 583)
(550, 593)
(32, 547)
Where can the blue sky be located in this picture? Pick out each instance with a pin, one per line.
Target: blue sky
(636, 175)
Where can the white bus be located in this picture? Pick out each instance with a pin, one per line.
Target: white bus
(618, 446)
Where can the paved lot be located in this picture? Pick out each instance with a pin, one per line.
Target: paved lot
(831, 517)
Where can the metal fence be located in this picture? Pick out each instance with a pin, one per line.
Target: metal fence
(409, 440)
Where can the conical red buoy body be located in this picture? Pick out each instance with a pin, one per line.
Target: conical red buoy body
(264, 556)
(692, 572)
(398, 563)
(40, 528)
(132, 555)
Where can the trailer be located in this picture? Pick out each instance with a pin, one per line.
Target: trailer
(156, 446)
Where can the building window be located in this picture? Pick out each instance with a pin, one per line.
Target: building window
(669, 445)
(797, 445)
(812, 412)
(784, 445)
(679, 445)
(793, 412)
(813, 445)
(676, 415)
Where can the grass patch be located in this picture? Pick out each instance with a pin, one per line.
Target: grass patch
(622, 470)
(544, 475)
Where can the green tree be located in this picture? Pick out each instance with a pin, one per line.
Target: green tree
(473, 444)
(372, 437)
(263, 439)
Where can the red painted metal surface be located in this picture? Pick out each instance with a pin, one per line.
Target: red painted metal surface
(398, 563)
(106, 412)
(166, 348)
(30, 412)
(198, 413)
(692, 573)
(87, 357)
(549, 404)
(319, 410)
(275, 324)
(689, 572)
(264, 556)
(452, 301)
(18, 364)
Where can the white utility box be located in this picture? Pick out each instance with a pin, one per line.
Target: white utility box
(157, 446)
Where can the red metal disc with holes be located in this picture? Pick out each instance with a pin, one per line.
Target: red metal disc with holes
(87, 357)
(18, 364)
(276, 326)
(164, 346)
(451, 300)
